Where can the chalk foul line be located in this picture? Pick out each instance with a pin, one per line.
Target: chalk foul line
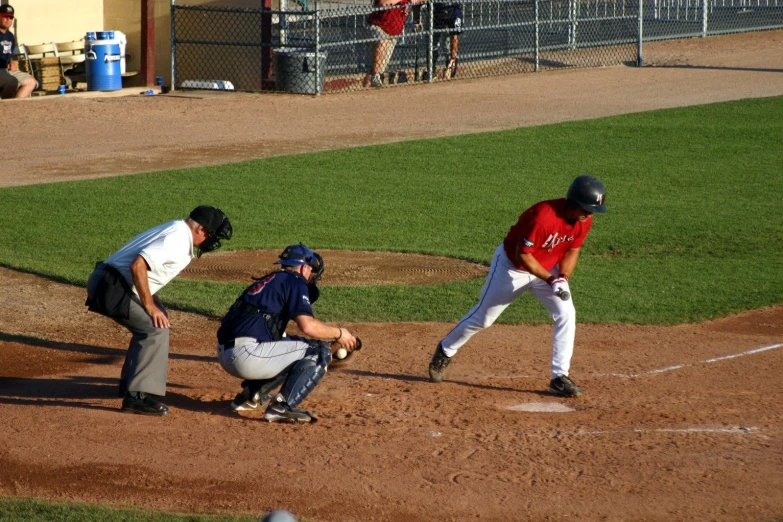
(706, 361)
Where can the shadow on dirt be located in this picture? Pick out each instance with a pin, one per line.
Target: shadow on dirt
(418, 378)
(70, 390)
(86, 348)
(714, 68)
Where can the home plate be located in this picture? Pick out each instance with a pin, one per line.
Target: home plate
(548, 407)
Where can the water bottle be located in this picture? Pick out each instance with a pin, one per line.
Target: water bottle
(89, 38)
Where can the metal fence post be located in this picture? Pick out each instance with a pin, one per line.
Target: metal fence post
(640, 35)
(283, 23)
(173, 46)
(318, 78)
(266, 46)
(704, 9)
(538, 41)
(430, 24)
(572, 27)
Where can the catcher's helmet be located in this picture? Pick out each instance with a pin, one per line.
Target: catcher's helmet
(296, 255)
(589, 193)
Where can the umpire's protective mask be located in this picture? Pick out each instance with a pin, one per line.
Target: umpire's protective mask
(215, 223)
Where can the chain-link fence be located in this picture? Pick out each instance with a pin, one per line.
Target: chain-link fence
(314, 46)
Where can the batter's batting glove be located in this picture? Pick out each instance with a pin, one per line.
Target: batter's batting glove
(559, 285)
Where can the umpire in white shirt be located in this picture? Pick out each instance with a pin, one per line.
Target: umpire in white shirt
(123, 287)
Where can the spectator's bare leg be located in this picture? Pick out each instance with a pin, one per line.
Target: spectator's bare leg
(381, 56)
(26, 88)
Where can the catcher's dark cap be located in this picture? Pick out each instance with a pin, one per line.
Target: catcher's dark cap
(209, 217)
(6, 10)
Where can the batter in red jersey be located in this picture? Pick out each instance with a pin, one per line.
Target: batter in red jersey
(539, 254)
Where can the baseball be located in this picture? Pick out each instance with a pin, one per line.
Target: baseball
(342, 353)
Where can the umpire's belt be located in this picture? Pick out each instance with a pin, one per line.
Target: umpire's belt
(239, 340)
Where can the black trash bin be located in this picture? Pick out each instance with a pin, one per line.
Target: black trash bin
(295, 71)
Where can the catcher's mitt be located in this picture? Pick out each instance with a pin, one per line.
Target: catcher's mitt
(350, 356)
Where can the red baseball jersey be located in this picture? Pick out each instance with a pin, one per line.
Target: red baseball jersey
(392, 21)
(543, 231)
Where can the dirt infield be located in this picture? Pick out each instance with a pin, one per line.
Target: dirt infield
(677, 423)
(345, 268)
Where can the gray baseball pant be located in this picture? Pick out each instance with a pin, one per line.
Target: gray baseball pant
(147, 360)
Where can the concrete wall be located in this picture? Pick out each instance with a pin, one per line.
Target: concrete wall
(44, 21)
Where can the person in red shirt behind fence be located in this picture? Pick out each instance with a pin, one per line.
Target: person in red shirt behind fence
(386, 26)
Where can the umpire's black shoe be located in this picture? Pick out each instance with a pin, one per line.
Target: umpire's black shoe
(122, 389)
(143, 404)
(563, 386)
(438, 364)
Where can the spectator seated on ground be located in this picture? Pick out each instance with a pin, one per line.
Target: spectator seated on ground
(13, 82)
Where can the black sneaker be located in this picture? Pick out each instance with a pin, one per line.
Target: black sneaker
(143, 404)
(438, 364)
(280, 411)
(563, 386)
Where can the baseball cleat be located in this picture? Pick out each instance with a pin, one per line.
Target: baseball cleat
(247, 400)
(438, 364)
(563, 386)
(143, 404)
(282, 412)
(242, 403)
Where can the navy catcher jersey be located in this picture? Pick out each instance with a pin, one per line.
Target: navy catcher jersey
(265, 307)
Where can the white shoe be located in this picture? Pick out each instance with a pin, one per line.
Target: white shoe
(243, 401)
(241, 404)
(377, 80)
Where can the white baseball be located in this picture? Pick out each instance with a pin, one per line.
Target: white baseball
(342, 353)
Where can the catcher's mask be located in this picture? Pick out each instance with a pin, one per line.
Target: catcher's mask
(589, 193)
(216, 224)
(297, 255)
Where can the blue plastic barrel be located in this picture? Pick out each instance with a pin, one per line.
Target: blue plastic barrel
(103, 66)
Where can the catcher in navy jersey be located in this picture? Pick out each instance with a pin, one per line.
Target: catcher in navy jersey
(252, 344)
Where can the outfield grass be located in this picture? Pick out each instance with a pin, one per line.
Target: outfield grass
(693, 230)
(31, 510)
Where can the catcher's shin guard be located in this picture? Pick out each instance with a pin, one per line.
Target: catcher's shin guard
(304, 376)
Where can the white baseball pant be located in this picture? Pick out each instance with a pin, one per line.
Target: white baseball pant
(505, 282)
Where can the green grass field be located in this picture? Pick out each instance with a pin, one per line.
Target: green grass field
(31, 510)
(693, 229)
